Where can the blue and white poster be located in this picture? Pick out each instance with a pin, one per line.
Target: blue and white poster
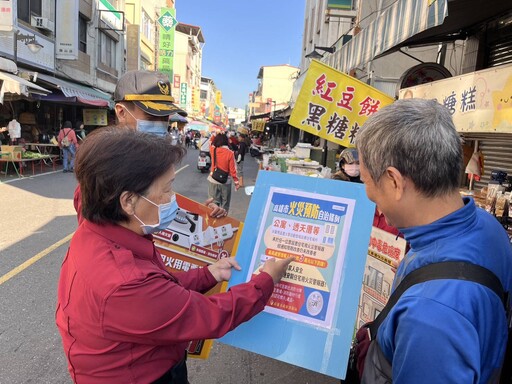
(325, 224)
(314, 229)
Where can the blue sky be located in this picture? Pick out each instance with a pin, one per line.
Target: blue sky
(242, 36)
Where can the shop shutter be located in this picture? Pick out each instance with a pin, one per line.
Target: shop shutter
(497, 151)
(500, 50)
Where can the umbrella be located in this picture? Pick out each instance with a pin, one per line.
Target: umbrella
(197, 125)
(176, 118)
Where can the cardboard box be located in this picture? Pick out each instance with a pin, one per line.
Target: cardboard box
(14, 152)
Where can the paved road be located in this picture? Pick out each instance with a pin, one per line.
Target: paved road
(36, 220)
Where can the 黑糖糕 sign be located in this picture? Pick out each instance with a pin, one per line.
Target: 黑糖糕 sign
(333, 105)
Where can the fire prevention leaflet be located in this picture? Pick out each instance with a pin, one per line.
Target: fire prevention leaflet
(194, 240)
(314, 229)
(384, 249)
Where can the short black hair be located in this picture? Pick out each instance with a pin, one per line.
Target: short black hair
(220, 140)
(115, 159)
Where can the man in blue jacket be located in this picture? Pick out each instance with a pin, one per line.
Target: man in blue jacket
(440, 331)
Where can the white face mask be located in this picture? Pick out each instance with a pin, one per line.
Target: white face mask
(154, 127)
(351, 169)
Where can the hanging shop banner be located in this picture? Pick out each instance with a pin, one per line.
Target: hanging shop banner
(66, 40)
(325, 225)
(478, 101)
(384, 250)
(183, 95)
(333, 105)
(258, 125)
(194, 240)
(167, 25)
(97, 117)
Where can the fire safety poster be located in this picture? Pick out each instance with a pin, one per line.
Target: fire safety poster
(193, 240)
(314, 229)
(325, 225)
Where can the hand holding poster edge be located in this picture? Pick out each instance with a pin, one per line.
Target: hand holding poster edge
(323, 349)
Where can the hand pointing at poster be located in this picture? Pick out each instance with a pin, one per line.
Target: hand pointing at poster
(276, 268)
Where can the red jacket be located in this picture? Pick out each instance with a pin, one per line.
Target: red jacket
(225, 161)
(124, 319)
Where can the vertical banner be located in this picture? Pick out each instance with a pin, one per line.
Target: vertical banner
(325, 225)
(66, 32)
(167, 23)
(183, 95)
(333, 105)
(132, 47)
(6, 15)
(194, 240)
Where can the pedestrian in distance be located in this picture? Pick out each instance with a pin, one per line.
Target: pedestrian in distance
(223, 158)
(448, 330)
(240, 156)
(122, 316)
(144, 103)
(348, 166)
(68, 143)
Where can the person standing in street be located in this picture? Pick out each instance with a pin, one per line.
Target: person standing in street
(446, 330)
(68, 143)
(223, 158)
(144, 103)
(240, 156)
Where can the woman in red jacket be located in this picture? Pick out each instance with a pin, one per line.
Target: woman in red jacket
(122, 316)
(223, 158)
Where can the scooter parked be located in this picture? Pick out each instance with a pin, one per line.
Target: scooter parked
(204, 161)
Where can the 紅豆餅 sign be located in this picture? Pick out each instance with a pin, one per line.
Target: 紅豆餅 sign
(333, 105)
(325, 225)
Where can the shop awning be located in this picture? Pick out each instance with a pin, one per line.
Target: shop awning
(403, 19)
(82, 93)
(19, 86)
(465, 18)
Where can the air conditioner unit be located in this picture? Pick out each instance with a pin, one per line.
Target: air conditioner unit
(42, 23)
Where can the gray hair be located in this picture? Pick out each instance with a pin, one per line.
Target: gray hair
(418, 138)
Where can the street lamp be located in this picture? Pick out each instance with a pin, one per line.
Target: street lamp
(30, 41)
(316, 55)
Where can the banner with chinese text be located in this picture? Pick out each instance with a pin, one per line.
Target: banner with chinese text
(384, 249)
(167, 23)
(325, 225)
(478, 102)
(333, 105)
(95, 117)
(194, 240)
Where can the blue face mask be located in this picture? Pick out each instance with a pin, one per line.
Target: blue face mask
(154, 127)
(158, 128)
(166, 214)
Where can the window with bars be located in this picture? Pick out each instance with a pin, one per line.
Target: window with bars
(82, 34)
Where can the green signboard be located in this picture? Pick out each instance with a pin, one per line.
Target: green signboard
(339, 4)
(167, 23)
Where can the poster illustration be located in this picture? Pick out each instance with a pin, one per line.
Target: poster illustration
(193, 240)
(384, 249)
(313, 228)
(325, 225)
